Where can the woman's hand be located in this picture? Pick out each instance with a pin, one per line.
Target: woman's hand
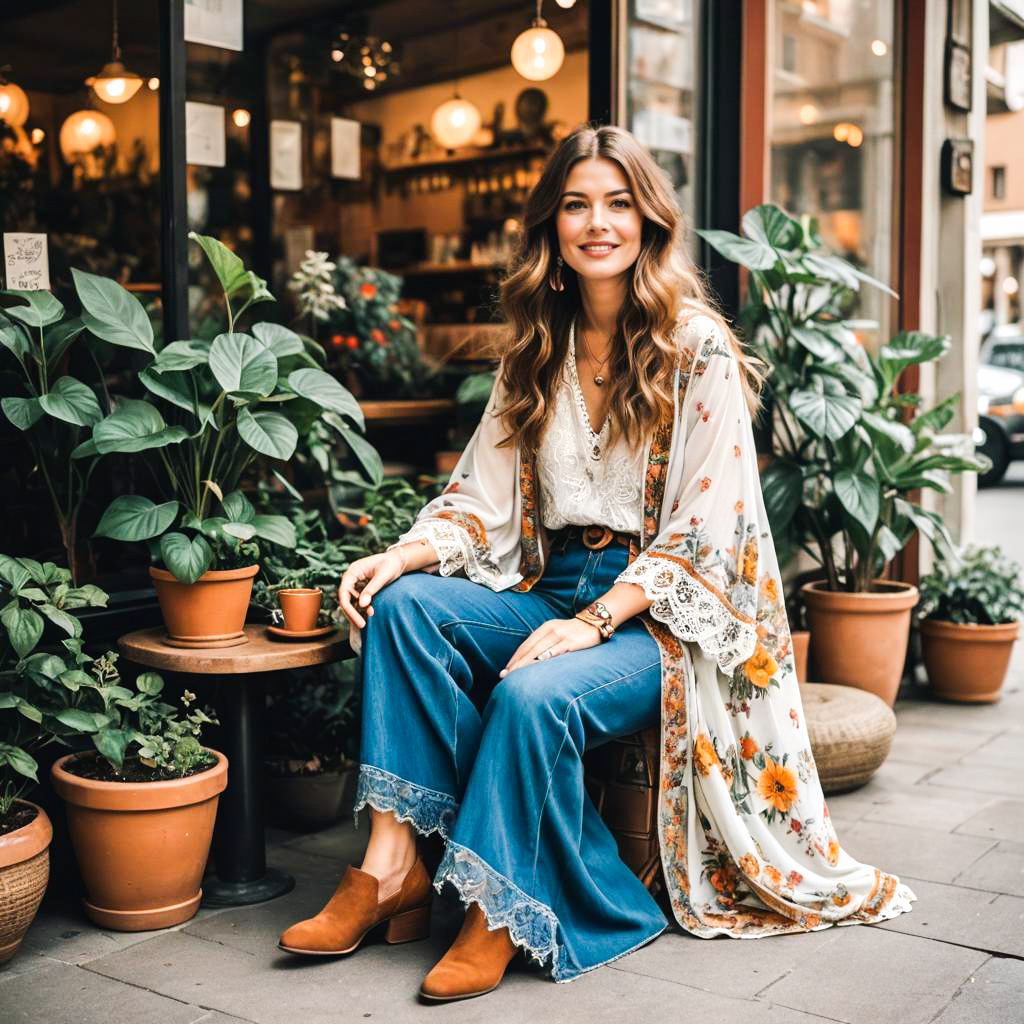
(556, 636)
(367, 575)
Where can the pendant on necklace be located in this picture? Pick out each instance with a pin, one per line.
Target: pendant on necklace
(596, 452)
(598, 380)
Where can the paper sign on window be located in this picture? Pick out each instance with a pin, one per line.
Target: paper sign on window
(26, 262)
(204, 134)
(344, 148)
(214, 22)
(285, 155)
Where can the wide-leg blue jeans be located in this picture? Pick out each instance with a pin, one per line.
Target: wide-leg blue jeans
(495, 765)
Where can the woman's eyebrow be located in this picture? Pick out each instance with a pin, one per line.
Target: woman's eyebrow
(607, 195)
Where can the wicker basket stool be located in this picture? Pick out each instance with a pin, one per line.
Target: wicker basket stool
(851, 732)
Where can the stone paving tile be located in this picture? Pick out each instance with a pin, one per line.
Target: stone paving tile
(64, 994)
(725, 965)
(956, 718)
(984, 778)
(900, 850)
(1003, 819)
(994, 994)
(1005, 751)
(872, 976)
(924, 807)
(924, 744)
(342, 843)
(969, 917)
(999, 870)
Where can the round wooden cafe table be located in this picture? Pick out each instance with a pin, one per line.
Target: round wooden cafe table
(239, 846)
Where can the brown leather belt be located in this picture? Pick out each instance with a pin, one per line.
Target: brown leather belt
(594, 537)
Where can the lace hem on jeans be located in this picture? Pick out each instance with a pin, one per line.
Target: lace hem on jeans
(426, 809)
(692, 611)
(531, 925)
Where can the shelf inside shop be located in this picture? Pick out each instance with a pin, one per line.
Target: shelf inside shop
(463, 157)
(456, 267)
(410, 410)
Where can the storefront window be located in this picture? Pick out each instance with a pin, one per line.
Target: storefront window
(661, 88)
(832, 133)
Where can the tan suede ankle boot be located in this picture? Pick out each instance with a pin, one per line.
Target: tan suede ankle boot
(474, 965)
(355, 908)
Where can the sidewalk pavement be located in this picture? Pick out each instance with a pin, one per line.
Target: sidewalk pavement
(945, 813)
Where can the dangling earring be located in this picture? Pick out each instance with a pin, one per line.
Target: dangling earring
(555, 279)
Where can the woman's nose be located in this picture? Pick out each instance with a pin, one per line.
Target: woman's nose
(597, 218)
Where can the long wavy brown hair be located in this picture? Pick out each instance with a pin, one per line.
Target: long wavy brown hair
(665, 290)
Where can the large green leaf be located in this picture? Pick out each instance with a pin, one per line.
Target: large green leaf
(238, 508)
(42, 309)
(12, 337)
(132, 517)
(897, 432)
(242, 365)
(174, 386)
(80, 721)
(186, 560)
(276, 529)
(860, 496)
(59, 338)
(771, 227)
(135, 426)
(268, 433)
(112, 313)
(825, 415)
(228, 267)
(21, 761)
(817, 342)
(22, 412)
(320, 387)
(182, 355)
(909, 348)
(24, 627)
(280, 340)
(368, 456)
(112, 744)
(782, 484)
(744, 251)
(71, 401)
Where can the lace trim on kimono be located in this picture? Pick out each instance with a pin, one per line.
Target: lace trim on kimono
(531, 925)
(427, 810)
(454, 549)
(693, 610)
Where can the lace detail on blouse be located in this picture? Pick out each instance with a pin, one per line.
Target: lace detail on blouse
(576, 487)
(453, 548)
(692, 611)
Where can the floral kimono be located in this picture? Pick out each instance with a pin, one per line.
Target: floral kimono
(747, 845)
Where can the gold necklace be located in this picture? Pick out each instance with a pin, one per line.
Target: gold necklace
(598, 377)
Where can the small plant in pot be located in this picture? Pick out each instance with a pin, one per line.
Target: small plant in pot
(969, 619)
(241, 399)
(141, 806)
(850, 451)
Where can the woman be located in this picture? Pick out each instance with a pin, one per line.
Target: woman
(609, 504)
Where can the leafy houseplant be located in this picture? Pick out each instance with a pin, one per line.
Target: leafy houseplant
(969, 619)
(244, 396)
(56, 410)
(847, 462)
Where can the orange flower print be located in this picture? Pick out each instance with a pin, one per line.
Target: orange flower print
(748, 747)
(695, 521)
(367, 290)
(704, 754)
(453, 486)
(777, 785)
(794, 879)
(738, 508)
(705, 483)
(794, 718)
(705, 416)
(750, 865)
(760, 667)
(770, 590)
(736, 450)
(833, 852)
(772, 876)
(841, 896)
(750, 561)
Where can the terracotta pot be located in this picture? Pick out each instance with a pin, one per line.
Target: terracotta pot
(801, 641)
(861, 639)
(141, 846)
(306, 803)
(24, 871)
(300, 607)
(967, 663)
(209, 612)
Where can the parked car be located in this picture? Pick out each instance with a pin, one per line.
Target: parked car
(1001, 402)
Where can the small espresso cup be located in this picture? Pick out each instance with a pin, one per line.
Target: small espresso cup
(300, 607)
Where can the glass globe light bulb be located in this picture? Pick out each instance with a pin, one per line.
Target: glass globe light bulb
(537, 53)
(454, 123)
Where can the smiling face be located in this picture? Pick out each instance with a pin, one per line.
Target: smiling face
(598, 223)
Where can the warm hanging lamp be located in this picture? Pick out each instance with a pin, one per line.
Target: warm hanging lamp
(538, 52)
(456, 121)
(13, 104)
(115, 83)
(84, 131)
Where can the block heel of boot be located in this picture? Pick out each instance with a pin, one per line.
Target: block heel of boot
(409, 926)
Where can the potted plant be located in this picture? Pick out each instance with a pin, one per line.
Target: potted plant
(969, 618)
(56, 410)
(37, 686)
(242, 397)
(850, 451)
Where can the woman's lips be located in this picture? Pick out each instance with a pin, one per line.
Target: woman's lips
(596, 250)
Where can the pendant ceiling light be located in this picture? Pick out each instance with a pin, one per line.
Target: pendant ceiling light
(84, 131)
(13, 104)
(538, 52)
(456, 122)
(115, 83)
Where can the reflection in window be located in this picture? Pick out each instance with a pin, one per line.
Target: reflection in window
(832, 132)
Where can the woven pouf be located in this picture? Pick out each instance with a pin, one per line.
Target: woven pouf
(851, 731)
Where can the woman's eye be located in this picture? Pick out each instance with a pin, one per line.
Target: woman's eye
(574, 204)
(622, 204)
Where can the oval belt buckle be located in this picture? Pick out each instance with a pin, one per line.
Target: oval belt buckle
(597, 537)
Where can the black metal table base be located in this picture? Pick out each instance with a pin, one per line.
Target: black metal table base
(218, 893)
